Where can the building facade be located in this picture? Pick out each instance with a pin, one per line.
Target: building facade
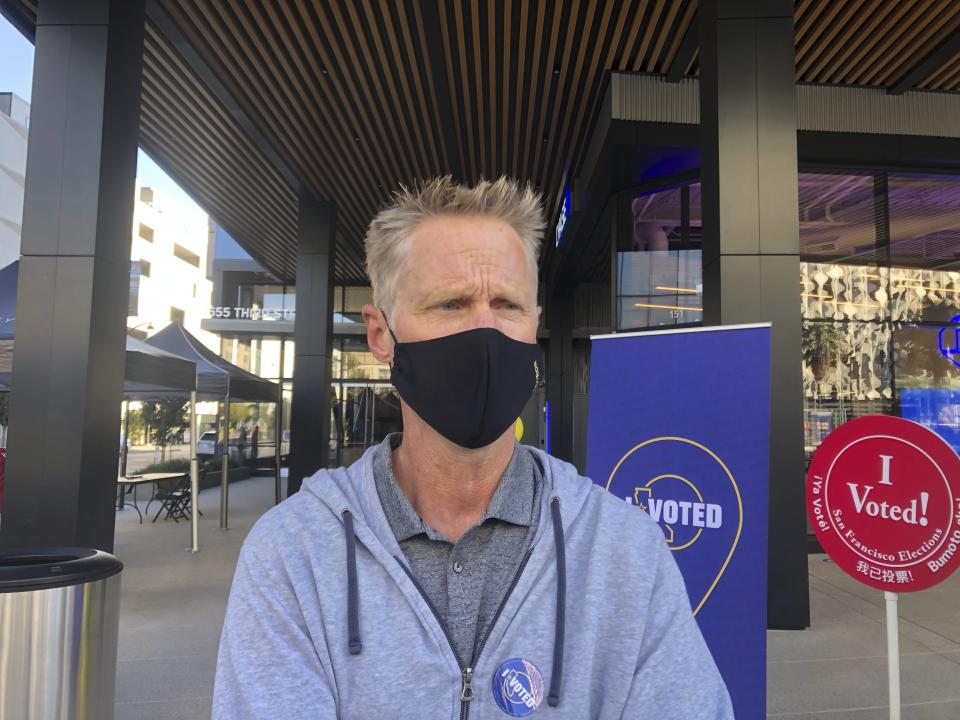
(169, 264)
(14, 126)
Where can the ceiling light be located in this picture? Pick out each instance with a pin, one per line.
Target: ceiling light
(667, 307)
(692, 291)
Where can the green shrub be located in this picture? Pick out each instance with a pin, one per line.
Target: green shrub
(183, 465)
(214, 463)
(176, 465)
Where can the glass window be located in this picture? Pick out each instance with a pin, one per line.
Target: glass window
(188, 257)
(880, 299)
(354, 298)
(133, 299)
(924, 220)
(289, 356)
(267, 302)
(352, 360)
(844, 292)
(928, 377)
(847, 373)
(270, 358)
(838, 215)
(918, 295)
(659, 267)
(145, 231)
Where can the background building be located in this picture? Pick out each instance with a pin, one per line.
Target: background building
(169, 257)
(14, 123)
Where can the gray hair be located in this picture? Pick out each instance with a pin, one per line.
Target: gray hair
(387, 241)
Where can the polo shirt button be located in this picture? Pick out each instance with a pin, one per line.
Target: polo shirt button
(458, 567)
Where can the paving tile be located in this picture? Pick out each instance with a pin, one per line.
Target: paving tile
(173, 678)
(835, 641)
(948, 627)
(920, 711)
(819, 686)
(194, 709)
(830, 606)
(941, 636)
(144, 643)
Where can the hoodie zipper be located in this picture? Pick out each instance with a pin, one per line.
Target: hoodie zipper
(466, 672)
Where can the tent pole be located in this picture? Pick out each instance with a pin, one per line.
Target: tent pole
(126, 435)
(194, 477)
(278, 431)
(123, 452)
(224, 463)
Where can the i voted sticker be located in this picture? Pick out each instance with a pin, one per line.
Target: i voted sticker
(518, 687)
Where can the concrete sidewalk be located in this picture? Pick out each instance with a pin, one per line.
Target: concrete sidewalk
(173, 604)
(837, 669)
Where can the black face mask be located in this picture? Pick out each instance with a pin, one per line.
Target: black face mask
(469, 387)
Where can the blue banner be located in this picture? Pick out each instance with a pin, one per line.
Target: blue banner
(679, 425)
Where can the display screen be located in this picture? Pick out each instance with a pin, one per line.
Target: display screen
(928, 377)
(938, 410)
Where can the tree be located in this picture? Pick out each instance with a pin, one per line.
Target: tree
(136, 426)
(163, 416)
(350, 366)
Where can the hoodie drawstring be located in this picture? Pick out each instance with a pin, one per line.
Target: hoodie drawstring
(353, 604)
(560, 621)
(556, 677)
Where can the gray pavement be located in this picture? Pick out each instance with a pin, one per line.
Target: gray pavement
(173, 603)
(838, 668)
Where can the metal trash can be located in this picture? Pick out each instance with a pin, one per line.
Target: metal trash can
(59, 617)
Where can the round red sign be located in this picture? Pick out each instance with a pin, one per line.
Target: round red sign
(883, 494)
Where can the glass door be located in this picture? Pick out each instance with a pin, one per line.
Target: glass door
(363, 415)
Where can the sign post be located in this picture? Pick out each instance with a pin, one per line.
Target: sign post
(883, 495)
(893, 653)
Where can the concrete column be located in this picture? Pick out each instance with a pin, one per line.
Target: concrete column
(313, 333)
(74, 275)
(751, 261)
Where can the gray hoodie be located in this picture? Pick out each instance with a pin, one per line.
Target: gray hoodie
(324, 620)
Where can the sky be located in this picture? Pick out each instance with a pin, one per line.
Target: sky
(16, 74)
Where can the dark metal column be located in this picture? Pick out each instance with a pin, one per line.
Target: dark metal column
(74, 275)
(560, 377)
(751, 249)
(313, 333)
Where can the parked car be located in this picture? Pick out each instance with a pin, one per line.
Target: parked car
(207, 444)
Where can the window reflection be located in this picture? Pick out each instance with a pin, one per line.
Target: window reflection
(847, 373)
(924, 220)
(659, 267)
(838, 215)
(880, 341)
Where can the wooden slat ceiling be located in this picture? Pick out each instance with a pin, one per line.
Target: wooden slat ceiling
(207, 153)
(874, 42)
(357, 96)
(360, 96)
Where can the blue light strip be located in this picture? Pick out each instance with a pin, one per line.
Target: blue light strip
(546, 410)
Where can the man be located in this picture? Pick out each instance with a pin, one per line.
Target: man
(451, 572)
